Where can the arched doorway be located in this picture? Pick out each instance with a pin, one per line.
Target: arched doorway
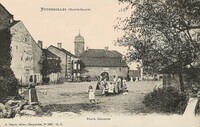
(105, 75)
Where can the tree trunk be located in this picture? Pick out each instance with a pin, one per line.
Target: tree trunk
(181, 81)
(166, 80)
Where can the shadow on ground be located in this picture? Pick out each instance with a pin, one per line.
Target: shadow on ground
(76, 108)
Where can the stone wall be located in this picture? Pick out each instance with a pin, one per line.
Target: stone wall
(26, 55)
(37, 60)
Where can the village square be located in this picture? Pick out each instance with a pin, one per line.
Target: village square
(38, 80)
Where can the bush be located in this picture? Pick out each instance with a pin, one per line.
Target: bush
(8, 81)
(166, 101)
(45, 80)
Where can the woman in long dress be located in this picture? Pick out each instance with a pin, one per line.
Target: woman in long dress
(32, 93)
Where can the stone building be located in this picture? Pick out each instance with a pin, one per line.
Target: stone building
(67, 64)
(99, 62)
(76, 69)
(26, 54)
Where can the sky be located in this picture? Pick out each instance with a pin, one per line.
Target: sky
(95, 25)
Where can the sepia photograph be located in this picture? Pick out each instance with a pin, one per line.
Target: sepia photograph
(100, 63)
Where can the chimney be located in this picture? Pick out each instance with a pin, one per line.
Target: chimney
(106, 48)
(40, 43)
(59, 45)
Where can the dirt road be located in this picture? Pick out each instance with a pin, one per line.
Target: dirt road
(73, 97)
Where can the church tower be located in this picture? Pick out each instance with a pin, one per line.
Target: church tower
(79, 44)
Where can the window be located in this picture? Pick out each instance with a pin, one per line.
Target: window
(79, 66)
(75, 66)
(38, 78)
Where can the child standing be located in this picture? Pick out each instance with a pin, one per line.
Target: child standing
(91, 95)
(111, 88)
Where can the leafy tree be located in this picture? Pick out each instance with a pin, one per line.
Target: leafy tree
(163, 33)
(49, 65)
(82, 67)
(8, 81)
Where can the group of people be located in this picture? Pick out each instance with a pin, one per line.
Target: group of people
(115, 86)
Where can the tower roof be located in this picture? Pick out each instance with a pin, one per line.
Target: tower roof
(79, 38)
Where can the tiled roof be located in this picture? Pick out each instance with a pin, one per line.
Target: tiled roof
(102, 58)
(64, 51)
(67, 52)
(49, 54)
(101, 53)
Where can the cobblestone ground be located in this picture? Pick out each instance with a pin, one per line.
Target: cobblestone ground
(73, 97)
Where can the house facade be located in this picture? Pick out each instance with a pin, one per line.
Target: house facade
(68, 62)
(101, 62)
(26, 54)
(76, 69)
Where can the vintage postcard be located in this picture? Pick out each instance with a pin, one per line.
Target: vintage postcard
(89, 63)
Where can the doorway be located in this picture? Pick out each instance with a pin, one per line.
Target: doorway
(105, 75)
